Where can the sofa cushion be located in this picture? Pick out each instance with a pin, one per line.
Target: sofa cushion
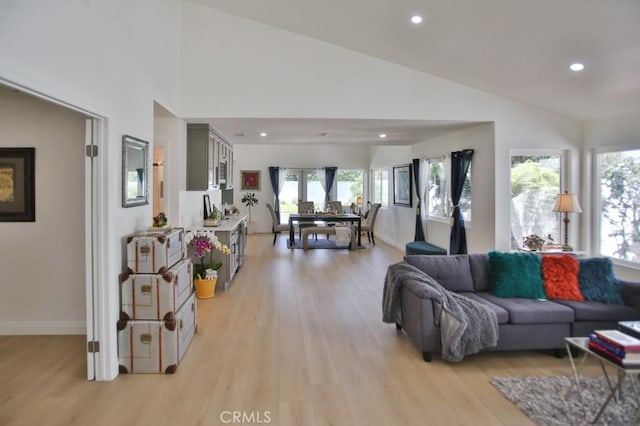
(515, 275)
(560, 276)
(596, 311)
(480, 272)
(501, 313)
(452, 272)
(531, 311)
(597, 281)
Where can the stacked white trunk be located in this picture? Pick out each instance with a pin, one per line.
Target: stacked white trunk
(158, 306)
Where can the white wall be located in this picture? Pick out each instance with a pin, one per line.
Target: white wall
(261, 157)
(621, 132)
(247, 69)
(394, 224)
(42, 282)
(112, 59)
(481, 231)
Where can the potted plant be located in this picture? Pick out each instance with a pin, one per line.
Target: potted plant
(212, 220)
(205, 269)
(249, 199)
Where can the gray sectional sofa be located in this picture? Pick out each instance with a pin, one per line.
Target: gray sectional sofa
(524, 324)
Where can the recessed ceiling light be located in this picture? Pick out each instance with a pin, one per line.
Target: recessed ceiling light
(382, 135)
(576, 66)
(416, 19)
(263, 134)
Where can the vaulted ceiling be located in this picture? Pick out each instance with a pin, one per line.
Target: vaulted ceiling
(517, 49)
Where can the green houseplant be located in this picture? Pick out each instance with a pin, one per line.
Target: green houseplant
(249, 199)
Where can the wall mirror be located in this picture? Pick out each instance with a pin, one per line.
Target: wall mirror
(135, 172)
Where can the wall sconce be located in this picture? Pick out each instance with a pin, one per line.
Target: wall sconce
(567, 203)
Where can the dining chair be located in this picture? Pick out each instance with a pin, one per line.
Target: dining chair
(305, 207)
(277, 227)
(335, 206)
(369, 222)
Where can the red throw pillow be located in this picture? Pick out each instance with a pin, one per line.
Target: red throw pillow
(560, 275)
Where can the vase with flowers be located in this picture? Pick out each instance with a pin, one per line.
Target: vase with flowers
(205, 267)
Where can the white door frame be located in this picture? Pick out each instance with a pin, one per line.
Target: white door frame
(95, 229)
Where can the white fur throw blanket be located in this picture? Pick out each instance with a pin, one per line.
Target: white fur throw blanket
(343, 236)
(466, 326)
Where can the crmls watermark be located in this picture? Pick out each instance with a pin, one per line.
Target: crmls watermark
(246, 417)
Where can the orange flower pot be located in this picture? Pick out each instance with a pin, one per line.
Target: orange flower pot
(205, 289)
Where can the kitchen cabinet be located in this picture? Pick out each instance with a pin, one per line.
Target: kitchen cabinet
(209, 159)
(233, 233)
(225, 163)
(201, 158)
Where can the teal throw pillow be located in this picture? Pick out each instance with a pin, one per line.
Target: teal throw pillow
(516, 275)
(597, 281)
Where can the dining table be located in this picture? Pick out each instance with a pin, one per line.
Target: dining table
(322, 217)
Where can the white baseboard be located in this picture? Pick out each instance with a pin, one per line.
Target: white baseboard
(388, 241)
(16, 328)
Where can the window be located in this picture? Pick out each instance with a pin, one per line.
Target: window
(300, 185)
(619, 201)
(438, 191)
(350, 185)
(535, 183)
(465, 197)
(438, 196)
(289, 196)
(380, 186)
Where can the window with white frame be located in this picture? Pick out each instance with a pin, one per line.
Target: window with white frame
(380, 186)
(465, 197)
(437, 191)
(437, 194)
(535, 184)
(618, 216)
(350, 187)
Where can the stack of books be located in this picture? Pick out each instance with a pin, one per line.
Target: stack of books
(616, 346)
(632, 328)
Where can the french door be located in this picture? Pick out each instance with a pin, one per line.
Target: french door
(301, 185)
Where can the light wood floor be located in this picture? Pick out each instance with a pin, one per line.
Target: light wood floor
(297, 340)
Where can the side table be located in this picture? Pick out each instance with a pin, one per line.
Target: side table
(581, 344)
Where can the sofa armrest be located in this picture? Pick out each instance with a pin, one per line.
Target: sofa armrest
(421, 290)
(630, 293)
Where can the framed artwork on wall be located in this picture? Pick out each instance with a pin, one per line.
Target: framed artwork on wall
(250, 180)
(402, 185)
(17, 185)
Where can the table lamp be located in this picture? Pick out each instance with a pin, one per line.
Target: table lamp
(567, 203)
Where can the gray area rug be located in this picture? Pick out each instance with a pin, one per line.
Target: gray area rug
(320, 244)
(542, 399)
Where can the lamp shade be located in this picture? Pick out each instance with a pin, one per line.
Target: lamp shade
(567, 203)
